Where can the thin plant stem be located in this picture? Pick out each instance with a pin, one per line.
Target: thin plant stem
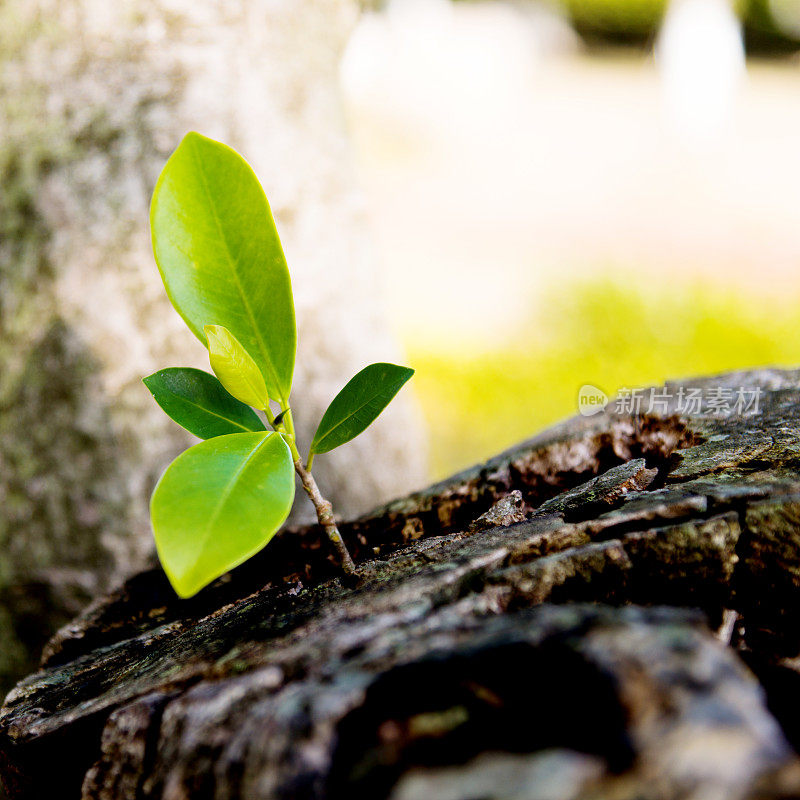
(325, 516)
(288, 421)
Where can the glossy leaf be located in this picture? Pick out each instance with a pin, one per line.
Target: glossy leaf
(199, 402)
(358, 405)
(234, 367)
(218, 504)
(220, 257)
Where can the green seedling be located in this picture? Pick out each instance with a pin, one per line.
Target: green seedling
(223, 267)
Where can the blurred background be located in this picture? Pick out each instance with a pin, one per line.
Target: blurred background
(516, 197)
(584, 191)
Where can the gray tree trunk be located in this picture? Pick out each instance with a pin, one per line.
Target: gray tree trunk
(95, 95)
(611, 610)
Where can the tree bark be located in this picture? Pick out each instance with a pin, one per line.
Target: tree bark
(610, 610)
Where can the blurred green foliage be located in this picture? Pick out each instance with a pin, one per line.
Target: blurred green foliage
(615, 21)
(612, 334)
(771, 27)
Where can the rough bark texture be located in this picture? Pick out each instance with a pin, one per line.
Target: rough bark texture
(611, 610)
(94, 97)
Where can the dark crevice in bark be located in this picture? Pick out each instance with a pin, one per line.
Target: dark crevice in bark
(61, 759)
(539, 475)
(447, 710)
(129, 746)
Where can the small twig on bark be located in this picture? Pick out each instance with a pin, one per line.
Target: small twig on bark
(326, 519)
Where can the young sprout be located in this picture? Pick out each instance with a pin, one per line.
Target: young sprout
(223, 267)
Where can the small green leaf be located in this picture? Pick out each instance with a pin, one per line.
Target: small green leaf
(199, 402)
(358, 405)
(235, 368)
(220, 257)
(218, 504)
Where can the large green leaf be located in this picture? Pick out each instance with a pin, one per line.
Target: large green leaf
(218, 504)
(357, 406)
(220, 257)
(234, 367)
(199, 402)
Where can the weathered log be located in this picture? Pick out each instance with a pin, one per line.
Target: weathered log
(610, 610)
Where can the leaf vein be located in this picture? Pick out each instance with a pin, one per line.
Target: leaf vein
(232, 262)
(377, 396)
(208, 411)
(227, 490)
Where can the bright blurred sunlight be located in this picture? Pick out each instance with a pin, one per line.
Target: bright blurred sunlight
(550, 212)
